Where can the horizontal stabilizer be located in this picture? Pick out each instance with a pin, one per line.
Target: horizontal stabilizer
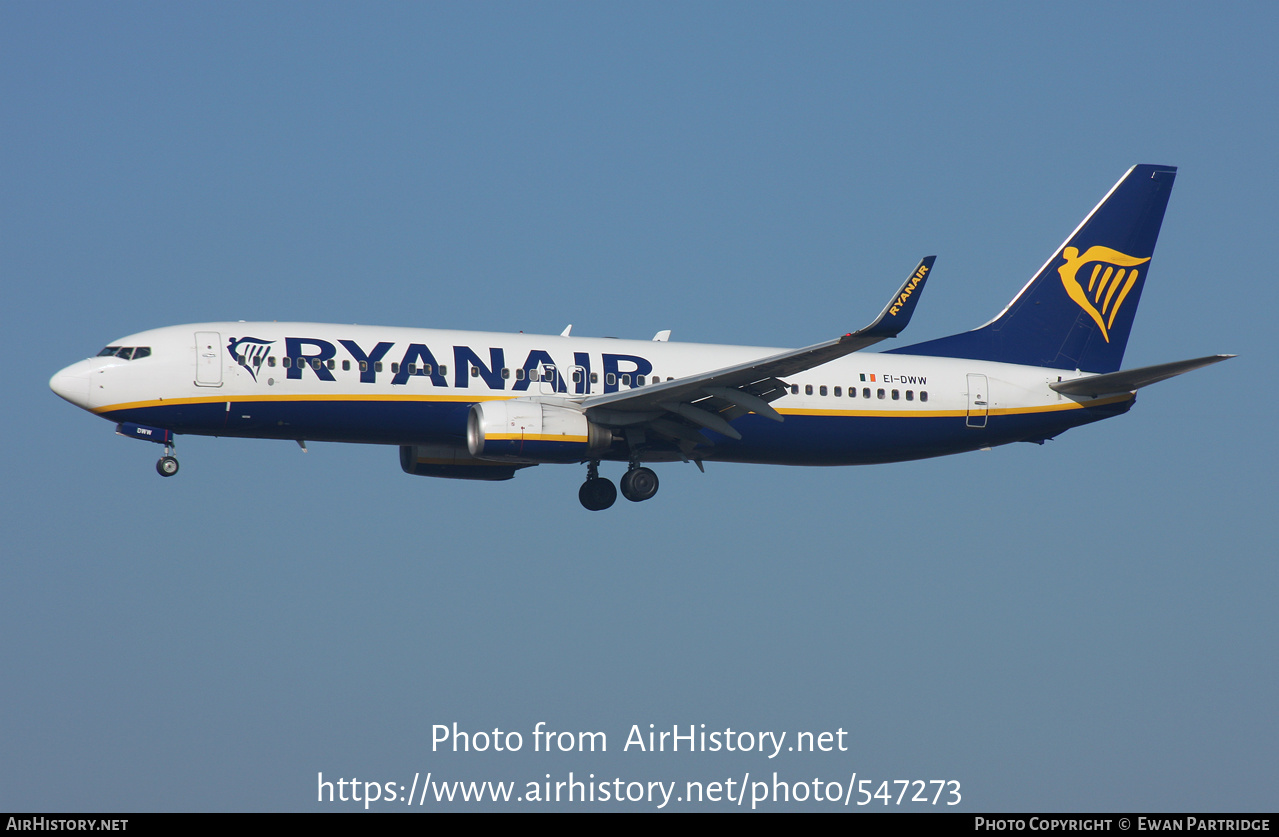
(1129, 380)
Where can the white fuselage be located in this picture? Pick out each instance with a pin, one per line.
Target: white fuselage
(408, 386)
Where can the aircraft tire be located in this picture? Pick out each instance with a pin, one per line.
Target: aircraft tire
(597, 494)
(167, 466)
(639, 484)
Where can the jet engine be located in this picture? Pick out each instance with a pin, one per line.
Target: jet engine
(531, 432)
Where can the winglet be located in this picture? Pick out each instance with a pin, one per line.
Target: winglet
(896, 315)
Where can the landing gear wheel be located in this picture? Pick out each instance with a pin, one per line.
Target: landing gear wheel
(167, 466)
(639, 484)
(597, 494)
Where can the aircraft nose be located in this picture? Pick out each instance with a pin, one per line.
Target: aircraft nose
(72, 384)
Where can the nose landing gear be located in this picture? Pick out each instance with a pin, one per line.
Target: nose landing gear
(168, 464)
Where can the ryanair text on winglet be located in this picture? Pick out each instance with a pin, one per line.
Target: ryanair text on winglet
(910, 289)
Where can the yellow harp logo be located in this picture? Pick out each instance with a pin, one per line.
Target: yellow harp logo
(1108, 284)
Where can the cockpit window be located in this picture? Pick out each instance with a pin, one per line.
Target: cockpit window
(126, 352)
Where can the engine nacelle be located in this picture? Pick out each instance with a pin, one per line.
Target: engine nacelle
(530, 431)
(452, 462)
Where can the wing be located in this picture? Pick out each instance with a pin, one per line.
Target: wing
(712, 399)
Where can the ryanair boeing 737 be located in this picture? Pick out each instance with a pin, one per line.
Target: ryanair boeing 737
(474, 405)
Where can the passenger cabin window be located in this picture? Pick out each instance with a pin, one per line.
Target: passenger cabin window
(923, 396)
(897, 395)
(271, 362)
(821, 390)
(910, 395)
(866, 392)
(838, 392)
(808, 389)
(879, 393)
(346, 366)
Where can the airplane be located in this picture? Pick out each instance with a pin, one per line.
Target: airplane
(481, 406)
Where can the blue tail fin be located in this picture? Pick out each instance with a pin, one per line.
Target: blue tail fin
(1078, 310)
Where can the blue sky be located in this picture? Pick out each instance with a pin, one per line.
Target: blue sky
(1087, 625)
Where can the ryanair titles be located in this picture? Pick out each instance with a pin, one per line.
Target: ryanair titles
(312, 356)
(908, 290)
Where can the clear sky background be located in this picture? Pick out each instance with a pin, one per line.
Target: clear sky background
(1087, 625)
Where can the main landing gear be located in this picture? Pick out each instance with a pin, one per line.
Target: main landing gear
(598, 493)
(638, 484)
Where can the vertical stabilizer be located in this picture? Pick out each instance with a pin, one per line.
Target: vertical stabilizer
(1077, 312)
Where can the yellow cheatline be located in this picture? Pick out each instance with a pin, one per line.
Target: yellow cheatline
(240, 399)
(900, 413)
(531, 437)
(994, 411)
(903, 413)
